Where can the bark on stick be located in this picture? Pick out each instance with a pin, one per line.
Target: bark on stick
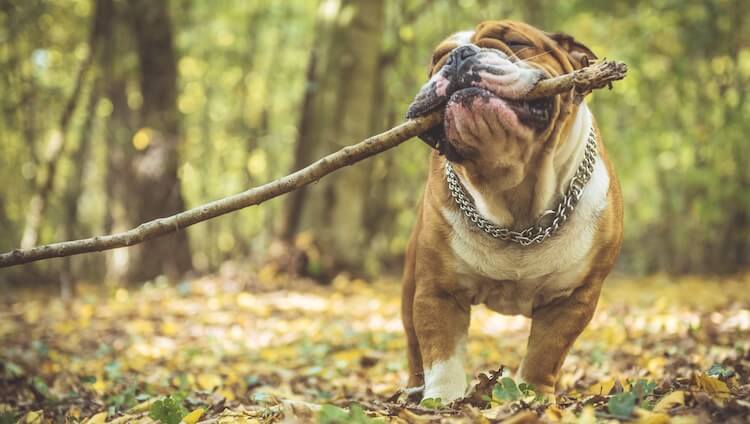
(600, 74)
(583, 81)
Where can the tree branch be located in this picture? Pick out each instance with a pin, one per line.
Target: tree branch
(583, 81)
(598, 75)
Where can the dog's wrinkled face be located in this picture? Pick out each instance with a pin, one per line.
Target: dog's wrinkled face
(481, 78)
(476, 83)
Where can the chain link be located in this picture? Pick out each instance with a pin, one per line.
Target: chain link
(539, 232)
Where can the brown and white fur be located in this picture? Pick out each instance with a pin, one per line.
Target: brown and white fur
(515, 163)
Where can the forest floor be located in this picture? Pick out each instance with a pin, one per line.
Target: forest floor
(257, 347)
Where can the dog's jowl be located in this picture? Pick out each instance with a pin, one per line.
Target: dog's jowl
(521, 211)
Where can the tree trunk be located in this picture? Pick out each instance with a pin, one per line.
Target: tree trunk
(154, 190)
(74, 190)
(339, 111)
(293, 207)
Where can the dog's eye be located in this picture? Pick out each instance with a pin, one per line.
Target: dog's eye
(516, 45)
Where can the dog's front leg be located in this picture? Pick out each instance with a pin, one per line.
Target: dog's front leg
(554, 328)
(441, 325)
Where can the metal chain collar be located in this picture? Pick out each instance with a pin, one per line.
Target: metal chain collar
(539, 232)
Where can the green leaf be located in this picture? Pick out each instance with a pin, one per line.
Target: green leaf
(8, 417)
(622, 405)
(41, 387)
(113, 370)
(506, 390)
(167, 411)
(643, 388)
(530, 394)
(88, 379)
(431, 403)
(330, 414)
(124, 399)
(717, 370)
(358, 415)
(12, 369)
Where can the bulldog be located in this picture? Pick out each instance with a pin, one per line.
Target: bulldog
(521, 212)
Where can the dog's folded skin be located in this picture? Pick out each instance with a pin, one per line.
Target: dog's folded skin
(515, 159)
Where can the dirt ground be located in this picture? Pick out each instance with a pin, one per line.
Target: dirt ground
(244, 346)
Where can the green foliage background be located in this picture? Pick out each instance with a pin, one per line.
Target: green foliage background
(676, 128)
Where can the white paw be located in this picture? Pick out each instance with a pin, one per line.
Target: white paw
(445, 380)
(411, 391)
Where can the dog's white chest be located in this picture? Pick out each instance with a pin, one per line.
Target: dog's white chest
(523, 276)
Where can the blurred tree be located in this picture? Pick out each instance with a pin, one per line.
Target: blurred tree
(156, 189)
(142, 181)
(55, 148)
(343, 73)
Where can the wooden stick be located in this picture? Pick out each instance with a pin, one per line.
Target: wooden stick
(599, 74)
(583, 81)
(159, 227)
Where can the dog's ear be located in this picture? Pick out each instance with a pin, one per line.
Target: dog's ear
(580, 55)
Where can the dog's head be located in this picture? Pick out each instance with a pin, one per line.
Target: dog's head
(480, 77)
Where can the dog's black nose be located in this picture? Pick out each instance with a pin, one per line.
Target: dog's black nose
(459, 55)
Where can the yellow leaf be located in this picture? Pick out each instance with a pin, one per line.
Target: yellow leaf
(169, 328)
(348, 355)
(712, 386)
(228, 394)
(648, 417)
(100, 386)
(685, 419)
(588, 415)
(99, 418)
(209, 381)
(602, 388)
(553, 414)
(143, 406)
(194, 416)
(33, 417)
(522, 417)
(676, 398)
(74, 412)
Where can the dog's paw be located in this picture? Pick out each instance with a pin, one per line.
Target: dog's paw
(413, 391)
(408, 394)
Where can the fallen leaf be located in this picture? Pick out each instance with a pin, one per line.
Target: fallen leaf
(33, 417)
(209, 381)
(194, 416)
(143, 406)
(588, 415)
(648, 417)
(602, 388)
(715, 388)
(99, 418)
(676, 398)
(523, 417)
(622, 405)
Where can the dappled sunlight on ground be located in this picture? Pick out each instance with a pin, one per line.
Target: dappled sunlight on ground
(263, 348)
